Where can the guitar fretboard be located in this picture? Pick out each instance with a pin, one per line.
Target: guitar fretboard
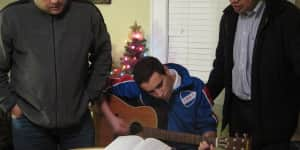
(175, 136)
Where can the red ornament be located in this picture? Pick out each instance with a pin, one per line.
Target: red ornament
(132, 47)
(137, 35)
(141, 48)
(126, 58)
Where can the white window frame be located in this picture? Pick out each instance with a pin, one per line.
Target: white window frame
(159, 30)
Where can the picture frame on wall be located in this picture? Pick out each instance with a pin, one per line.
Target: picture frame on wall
(101, 1)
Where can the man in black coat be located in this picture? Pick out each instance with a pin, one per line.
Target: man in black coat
(258, 63)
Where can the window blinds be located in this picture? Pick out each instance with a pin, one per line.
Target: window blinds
(193, 33)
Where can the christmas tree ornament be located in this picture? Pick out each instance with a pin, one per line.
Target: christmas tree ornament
(135, 49)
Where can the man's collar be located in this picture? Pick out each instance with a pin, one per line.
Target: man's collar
(177, 81)
(259, 7)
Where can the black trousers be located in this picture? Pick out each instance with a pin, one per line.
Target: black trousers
(242, 120)
(241, 117)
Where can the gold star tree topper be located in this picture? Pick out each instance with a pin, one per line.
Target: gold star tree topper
(135, 27)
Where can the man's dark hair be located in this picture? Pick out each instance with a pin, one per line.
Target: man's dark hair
(145, 67)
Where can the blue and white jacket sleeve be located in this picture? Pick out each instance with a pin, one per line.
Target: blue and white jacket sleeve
(126, 89)
(206, 119)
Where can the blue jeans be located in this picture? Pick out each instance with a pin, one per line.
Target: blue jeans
(28, 136)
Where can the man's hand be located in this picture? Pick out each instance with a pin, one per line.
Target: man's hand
(204, 145)
(16, 112)
(119, 126)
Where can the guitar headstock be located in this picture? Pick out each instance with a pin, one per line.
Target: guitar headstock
(234, 143)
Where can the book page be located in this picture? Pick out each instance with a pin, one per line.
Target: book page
(98, 148)
(152, 144)
(125, 143)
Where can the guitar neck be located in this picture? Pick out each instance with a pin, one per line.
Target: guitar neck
(176, 136)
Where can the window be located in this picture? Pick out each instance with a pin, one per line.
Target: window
(193, 33)
(186, 32)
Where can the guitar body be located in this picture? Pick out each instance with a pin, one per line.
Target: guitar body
(144, 119)
(144, 115)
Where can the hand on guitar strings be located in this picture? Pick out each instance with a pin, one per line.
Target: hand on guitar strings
(120, 127)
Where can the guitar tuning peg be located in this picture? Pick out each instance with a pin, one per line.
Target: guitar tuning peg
(245, 135)
(236, 134)
(226, 139)
(243, 140)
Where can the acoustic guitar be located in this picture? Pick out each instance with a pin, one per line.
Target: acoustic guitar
(143, 121)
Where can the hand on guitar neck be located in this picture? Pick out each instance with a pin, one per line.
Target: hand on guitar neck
(205, 146)
(208, 145)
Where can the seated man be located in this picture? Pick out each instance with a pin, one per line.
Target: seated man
(188, 108)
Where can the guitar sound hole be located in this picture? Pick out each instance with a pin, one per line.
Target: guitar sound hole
(135, 128)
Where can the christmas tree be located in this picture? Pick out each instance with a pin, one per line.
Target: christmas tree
(135, 49)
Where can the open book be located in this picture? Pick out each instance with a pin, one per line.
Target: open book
(134, 142)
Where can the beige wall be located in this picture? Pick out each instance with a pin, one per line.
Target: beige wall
(298, 3)
(4, 2)
(119, 16)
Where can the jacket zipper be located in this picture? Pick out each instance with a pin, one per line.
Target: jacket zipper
(55, 68)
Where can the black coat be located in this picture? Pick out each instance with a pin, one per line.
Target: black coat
(275, 70)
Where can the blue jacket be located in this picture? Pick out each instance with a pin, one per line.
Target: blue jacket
(189, 110)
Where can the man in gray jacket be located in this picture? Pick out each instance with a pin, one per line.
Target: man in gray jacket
(58, 53)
